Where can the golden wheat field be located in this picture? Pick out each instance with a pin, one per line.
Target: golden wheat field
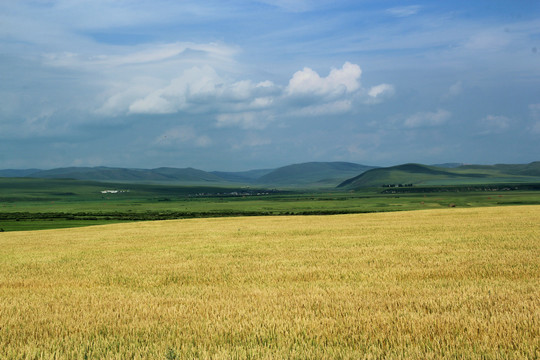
(455, 283)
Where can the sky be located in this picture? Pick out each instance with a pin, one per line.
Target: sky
(238, 85)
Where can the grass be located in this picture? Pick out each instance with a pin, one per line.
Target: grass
(33, 204)
(451, 283)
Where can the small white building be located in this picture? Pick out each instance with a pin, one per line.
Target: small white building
(109, 191)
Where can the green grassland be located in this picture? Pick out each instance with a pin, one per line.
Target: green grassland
(31, 204)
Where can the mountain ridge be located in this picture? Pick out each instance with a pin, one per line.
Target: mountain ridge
(344, 175)
(306, 174)
(417, 174)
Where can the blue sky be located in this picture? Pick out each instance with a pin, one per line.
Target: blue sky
(237, 85)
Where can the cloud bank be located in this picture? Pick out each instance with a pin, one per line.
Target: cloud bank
(208, 84)
(244, 102)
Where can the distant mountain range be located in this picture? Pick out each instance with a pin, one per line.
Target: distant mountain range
(312, 174)
(305, 174)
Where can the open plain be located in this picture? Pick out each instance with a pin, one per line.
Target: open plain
(450, 283)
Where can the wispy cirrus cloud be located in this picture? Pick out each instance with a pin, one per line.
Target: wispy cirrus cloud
(141, 55)
(404, 11)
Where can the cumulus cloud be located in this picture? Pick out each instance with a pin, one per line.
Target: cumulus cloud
(120, 100)
(339, 81)
(427, 119)
(202, 89)
(245, 103)
(192, 86)
(339, 92)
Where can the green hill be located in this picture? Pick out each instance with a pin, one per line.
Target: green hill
(417, 174)
(81, 191)
(131, 175)
(313, 174)
(242, 176)
(531, 169)
(17, 172)
(187, 174)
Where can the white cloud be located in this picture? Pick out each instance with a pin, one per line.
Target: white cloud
(338, 82)
(377, 93)
(495, 124)
(192, 87)
(246, 120)
(338, 93)
(122, 97)
(262, 102)
(143, 79)
(427, 119)
(403, 11)
(243, 103)
(455, 89)
(330, 108)
(153, 103)
(295, 6)
(136, 55)
(180, 135)
(488, 40)
(265, 84)
(202, 89)
(381, 89)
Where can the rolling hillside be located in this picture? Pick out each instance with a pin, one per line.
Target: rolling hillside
(242, 176)
(531, 169)
(313, 173)
(318, 174)
(417, 174)
(133, 175)
(17, 172)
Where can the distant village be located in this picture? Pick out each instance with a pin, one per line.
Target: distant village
(396, 185)
(203, 194)
(114, 191)
(236, 193)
